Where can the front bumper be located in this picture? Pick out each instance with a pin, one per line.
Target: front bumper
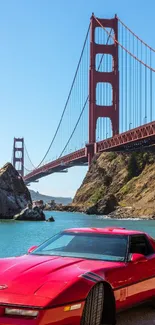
(52, 316)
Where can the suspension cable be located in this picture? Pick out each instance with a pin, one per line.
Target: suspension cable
(84, 103)
(28, 155)
(135, 35)
(74, 127)
(66, 100)
(116, 41)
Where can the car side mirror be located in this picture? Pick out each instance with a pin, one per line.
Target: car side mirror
(31, 249)
(135, 258)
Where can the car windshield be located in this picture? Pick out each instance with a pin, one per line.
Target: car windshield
(104, 247)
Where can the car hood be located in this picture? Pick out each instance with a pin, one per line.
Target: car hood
(45, 276)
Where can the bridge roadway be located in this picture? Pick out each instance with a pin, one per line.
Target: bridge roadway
(143, 136)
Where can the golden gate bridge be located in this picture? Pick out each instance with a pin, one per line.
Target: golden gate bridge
(110, 105)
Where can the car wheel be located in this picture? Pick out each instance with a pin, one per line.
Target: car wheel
(92, 313)
(152, 303)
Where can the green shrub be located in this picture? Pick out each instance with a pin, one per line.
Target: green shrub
(137, 163)
(97, 195)
(112, 155)
(94, 161)
(126, 188)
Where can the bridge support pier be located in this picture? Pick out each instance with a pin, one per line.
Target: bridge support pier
(18, 149)
(90, 152)
(95, 77)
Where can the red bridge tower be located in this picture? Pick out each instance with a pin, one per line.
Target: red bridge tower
(18, 155)
(95, 77)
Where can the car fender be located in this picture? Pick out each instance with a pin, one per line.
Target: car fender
(72, 291)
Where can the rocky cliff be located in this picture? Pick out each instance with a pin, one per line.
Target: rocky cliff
(121, 182)
(14, 195)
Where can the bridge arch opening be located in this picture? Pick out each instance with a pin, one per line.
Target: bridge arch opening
(104, 94)
(102, 36)
(18, 154)
(104, 62)
(103, 128)
(19, 165)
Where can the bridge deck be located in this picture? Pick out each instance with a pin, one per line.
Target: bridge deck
(139, 137)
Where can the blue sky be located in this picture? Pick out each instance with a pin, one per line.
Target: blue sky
(40, 44)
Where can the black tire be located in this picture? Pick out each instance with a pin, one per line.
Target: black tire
(92, 313)
(152, 303)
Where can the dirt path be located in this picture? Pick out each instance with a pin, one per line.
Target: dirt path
(138, 316)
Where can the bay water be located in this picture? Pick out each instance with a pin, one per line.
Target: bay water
(17, 236)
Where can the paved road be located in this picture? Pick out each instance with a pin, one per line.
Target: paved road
(137, 316)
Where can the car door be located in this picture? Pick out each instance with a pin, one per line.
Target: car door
(140, 274)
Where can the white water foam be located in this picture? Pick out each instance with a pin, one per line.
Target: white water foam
(110, 218)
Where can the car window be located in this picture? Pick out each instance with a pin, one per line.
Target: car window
(140, 244)
(60, 242)
(94, 246)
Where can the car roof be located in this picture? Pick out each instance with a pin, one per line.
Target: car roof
(107, 230)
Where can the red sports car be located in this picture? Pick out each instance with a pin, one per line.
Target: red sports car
(78, 277)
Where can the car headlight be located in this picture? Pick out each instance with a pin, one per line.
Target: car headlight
(21, 312)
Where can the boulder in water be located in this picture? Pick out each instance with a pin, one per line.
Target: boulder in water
(35, 214)
(51, 219)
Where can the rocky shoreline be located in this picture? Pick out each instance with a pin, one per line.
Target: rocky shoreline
(118, 213)
(117, 186)
(29, 214)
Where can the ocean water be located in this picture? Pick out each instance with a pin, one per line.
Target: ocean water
(17, 236)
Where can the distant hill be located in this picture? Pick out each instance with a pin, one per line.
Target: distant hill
(46, 198)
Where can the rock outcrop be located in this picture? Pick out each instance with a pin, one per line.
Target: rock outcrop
(52, 205)
(103, 206)
(40, 204)
(29, 214)
(14, 195)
